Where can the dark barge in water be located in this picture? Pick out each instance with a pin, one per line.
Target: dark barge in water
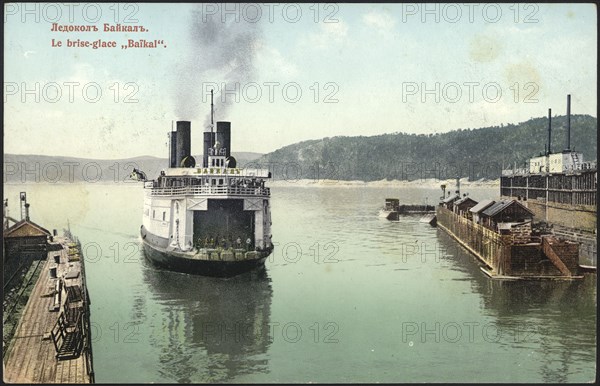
(392, 209)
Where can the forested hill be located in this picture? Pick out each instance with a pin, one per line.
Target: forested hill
(473, 153)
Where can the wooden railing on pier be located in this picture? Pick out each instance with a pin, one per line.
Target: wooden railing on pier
(490, 247)
(87, 337)
(67, 338)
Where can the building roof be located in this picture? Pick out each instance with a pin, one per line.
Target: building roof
(450, 199)
(464, 199)
(482, 206)
(497, 207)
(501, 205)
(25, 228)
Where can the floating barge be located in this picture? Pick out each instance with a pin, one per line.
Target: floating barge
(52, 340)
(392, 210)
(512, 252)
(500, 234)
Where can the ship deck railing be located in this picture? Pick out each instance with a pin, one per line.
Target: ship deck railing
(209, 191)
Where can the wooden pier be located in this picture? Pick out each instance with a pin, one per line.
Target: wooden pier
(52, 342)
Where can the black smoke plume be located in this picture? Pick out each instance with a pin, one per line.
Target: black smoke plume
(225, 49)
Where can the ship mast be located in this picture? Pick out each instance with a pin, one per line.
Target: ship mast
(212, 123)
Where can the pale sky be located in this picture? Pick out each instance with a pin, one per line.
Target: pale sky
(384, 68)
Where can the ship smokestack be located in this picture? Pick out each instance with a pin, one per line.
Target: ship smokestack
(569, 122)
(172, 149)
(224, 136)
(183, 143)
(549, 131)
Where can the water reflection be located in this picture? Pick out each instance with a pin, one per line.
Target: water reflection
(208, 329)
(549, 318)
(459, 260)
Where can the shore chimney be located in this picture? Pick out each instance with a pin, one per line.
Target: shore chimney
(549, 131)
(568, 122)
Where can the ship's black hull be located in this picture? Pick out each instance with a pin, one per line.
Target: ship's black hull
(199, 267)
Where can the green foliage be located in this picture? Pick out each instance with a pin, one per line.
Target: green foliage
(473, 153)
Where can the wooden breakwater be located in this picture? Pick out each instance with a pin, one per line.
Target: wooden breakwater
(511, 255)
(52, 340)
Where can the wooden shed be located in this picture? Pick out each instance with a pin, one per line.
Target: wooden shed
(448, 202)
(480, 207)
(25, 237)
(505, 212)
(462, 206)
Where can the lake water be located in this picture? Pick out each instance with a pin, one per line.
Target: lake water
(346, 297)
